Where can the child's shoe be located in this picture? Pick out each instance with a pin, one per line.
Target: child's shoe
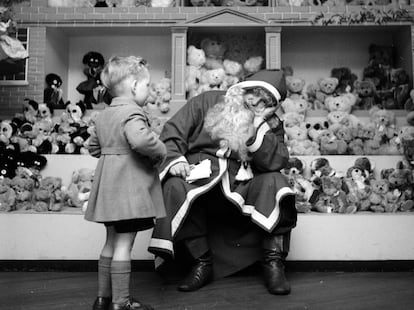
(102, 303)
(131, 304)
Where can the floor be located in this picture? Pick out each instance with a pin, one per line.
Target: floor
(310, 290)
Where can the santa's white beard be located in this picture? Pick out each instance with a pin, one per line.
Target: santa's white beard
(231, 122)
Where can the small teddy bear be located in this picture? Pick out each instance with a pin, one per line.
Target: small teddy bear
(385, 123)
(345, 78)
(295, 104)
(76, 194)
(7, 196)
(367, 95)
(344, 102)
(160, 94)
(325, 88)
(295, 87)
(252, 65)
(299, 143)
(234, 71)
(53, 93)
(330, 144)
(380, 188)
(212, 80)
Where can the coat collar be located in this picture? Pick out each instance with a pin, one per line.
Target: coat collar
(118, 101)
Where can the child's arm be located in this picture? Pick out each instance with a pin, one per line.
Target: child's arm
(142, 139)
(93, 145)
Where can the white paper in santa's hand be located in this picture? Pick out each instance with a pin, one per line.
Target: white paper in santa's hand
(200, 171)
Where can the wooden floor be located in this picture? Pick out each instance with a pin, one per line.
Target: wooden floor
(310, 290)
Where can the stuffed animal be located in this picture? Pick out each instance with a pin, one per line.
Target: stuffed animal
(356, 186)
(325, 88)
(367, 95)
(160, 94)
(95, 95)
(380, 188)
(295, 87)
(332, 187)
(44, 142)
(319, 167)
(77, 193)
(306, 193)
(400, 83)
(292, 119)
(299, 143)
(384, 121)
(356, 147)
(315, 129)
(212, 80)
(345, 78)
(42, 197)
(54, 186)
(401, 179)
(46, 111)
(295, 104)
(234, 71)
(214, 50)
(30, 110)
(344, 102)
(409, 107)
(196, 59)
(330, 145)
(23, 186)
(53, 93)
(339, 119)
(253, 64)
(7, 196)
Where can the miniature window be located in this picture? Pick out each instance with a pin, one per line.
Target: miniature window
(14, 72)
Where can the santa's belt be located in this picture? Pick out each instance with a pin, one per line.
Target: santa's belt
(115, 150)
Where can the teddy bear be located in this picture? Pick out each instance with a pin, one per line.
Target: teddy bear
(95, 95)
(43, 142)
(76, 195)
(292, 119)
(318, 93)
(196, 59)
(400, 84)
(299, 143)
(316, 128)
(356, 186)
(319, 167)
(212, 80)
(306, 193)
(53, 93)
(409, 107)
(295, 86)
(295, 104)
(401, 179)
(384, 121)
(252, 65)
(333, 198)
(367, 95)
(23, 186)
(234, 71)
(30, 111)
(340, 119)
(380, 188)
(345, 78)
(214, 50)
(54, 185)
(46, 111)
(160, 94)
(343, 102)
(356, 147)
(7, 196)
(330, 145)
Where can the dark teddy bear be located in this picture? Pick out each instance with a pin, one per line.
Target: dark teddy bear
(367, 95)
(92, 88)
(52, 93)
(345, 78)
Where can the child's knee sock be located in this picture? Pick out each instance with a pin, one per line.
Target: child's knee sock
(120, 275)
(104, 276)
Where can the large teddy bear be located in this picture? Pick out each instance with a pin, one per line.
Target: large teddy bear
(214, 50)
(318, 93)
(196, 59)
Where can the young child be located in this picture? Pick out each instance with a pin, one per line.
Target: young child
(126, 193)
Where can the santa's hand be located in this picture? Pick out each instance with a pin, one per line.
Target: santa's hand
(261, 116)
(181, 169)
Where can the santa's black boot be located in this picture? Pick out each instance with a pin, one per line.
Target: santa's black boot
(200, 275)
(275, 250)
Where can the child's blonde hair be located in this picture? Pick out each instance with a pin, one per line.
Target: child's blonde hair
(119, 68)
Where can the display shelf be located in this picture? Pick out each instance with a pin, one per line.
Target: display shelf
(317, 237)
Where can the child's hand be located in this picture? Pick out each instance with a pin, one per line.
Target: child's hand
(181, 169)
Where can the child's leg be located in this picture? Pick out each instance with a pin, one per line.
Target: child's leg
(121, 267)
(104, 264)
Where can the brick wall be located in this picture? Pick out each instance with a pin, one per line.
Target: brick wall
(37, 16)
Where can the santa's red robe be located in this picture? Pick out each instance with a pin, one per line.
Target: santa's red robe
(257, 199)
